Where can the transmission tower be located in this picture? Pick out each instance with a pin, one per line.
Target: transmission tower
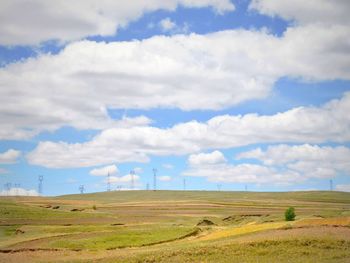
(154, 179)
(147, 186)
(17, 186)
(331, 185)
(132, 174)
(219, 187)
(108, 182)
(246, 188)
(7, 187)
(40, 185)
(184, 182)
(81, 189)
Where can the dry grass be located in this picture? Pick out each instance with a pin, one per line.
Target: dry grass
(246, 229)
(337, 221)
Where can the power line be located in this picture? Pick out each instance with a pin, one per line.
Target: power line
(40, 184)
(81, 189)
(154, 179)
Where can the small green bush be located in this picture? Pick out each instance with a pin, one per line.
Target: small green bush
(94, 207)
(290, 214)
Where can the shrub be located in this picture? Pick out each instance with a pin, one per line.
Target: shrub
(289, 214)
(94, 207)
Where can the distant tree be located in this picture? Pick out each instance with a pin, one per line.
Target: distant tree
(290, 214)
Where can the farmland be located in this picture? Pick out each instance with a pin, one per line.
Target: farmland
(176, 226)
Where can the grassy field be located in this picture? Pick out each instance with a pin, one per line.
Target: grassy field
(176, 226)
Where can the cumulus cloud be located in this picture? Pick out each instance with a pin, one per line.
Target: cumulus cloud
(343, 187)
(104, 171)
(222, 171)
(138, 170)
(311, 161)
(326, 12)
(222, 69)
(280, 165)
(126, 182)
(9, 157)
(38, 20)
(215, 157)
(164, 178)
(17, 191)
(167, 24)
(329, 122)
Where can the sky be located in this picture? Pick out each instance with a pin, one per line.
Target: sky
(214, 94)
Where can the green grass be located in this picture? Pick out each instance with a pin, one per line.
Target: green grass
(212, 196)
(121, 238)
(11, 210)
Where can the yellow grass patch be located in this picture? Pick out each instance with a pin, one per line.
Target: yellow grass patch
(246, 229)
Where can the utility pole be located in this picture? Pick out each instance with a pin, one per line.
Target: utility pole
(184, 184)
(147, 186)
(331, 185)
(108, 182)
(154, 179)
(40, 185)
(246, 188)
(132, 174)
(81, 188)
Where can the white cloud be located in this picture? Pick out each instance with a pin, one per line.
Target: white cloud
(326, 12)
(343, 187)
(167, 24)
(127, 122)
(242, 173)
(164, 178)
(215, 157)
(305, 124)
(311, 161)
(9, 157)
(222, 69)
(138, 170)
(126, 181)
(104, 171)
(281, 165)
(16, 191)
(284, 154)
(38, 20)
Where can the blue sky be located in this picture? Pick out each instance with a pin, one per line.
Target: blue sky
(230, 94)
